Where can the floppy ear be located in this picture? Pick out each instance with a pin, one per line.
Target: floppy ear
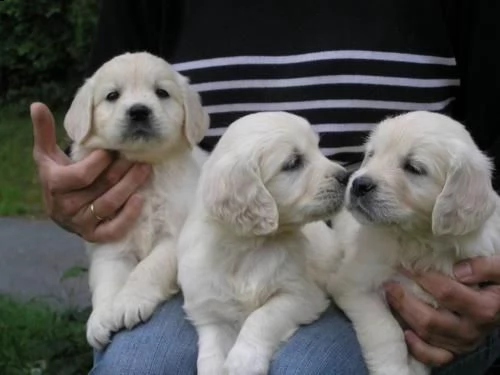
(468, 198)
(196, 120)
(234, 194)
(78, 119)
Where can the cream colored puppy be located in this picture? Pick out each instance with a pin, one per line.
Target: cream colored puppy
(138, 105)
(422, 199)
(242, 253)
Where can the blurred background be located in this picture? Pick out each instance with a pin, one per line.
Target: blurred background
(44, 300)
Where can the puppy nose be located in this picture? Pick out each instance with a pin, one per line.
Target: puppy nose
(139, 112)
(362, 185)
(342, 177)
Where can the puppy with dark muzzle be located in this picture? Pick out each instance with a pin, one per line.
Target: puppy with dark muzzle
(138, 106)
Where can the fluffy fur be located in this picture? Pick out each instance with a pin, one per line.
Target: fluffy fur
(422, 199)
(138, 105)
(242, 253)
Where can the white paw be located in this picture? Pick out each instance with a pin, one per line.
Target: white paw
(390, 370)
(210, 366)
(131, 308)
(99, 327)
(245, 359)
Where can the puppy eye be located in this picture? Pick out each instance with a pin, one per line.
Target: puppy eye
(294, 163)
(369, 154)
(162, 94)
(412, 168)
(112, 96)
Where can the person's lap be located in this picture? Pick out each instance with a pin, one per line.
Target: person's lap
(167, 344)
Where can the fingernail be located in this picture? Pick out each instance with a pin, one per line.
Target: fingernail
(462, 270)
(409, 336)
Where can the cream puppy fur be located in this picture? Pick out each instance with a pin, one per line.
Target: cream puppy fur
(422, 199)
(242, 253)
(138, 105)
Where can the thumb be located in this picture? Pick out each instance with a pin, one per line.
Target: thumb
(478, 270)
(44, 134)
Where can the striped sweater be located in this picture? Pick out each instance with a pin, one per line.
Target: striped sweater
(343, 64)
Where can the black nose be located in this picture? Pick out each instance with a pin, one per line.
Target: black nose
(362, 185)
(139, 112)
(342, 177)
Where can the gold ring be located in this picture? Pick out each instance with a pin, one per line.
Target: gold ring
(92, 209)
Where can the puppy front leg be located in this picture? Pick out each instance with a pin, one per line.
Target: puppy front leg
(109, 269)
(214, 342)
(265, 329)
(379, 334)
(151, 282)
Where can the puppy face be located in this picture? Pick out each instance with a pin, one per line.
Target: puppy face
(268, 172)
(422, 171)
(137, 104)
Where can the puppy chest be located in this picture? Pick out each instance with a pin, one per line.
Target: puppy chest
(249, 294)
(158, 219)
(253, 283)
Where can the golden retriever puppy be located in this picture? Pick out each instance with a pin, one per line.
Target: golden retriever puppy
(422, 199)
(242, 253)
(137, 105)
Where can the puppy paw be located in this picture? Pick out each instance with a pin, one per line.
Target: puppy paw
(130, 309)
(245, 359)
(390, 370)
(210, 366)
(99, 328)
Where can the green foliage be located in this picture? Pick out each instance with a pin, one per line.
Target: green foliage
(20, 192)
(45, 45)
(36, 339)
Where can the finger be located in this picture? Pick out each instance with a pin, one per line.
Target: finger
(426, 353)
(44, 134)
(110, 202)
(116, 228)
(449, 293)
(479, 269)
(63, 179)
(421, 317)
(76, 201)
(463, 339)
(486, 313)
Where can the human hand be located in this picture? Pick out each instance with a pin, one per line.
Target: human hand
(465, 316)
(69, 188)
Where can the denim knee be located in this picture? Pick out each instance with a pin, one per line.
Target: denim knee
(327, 346)
(166, 344)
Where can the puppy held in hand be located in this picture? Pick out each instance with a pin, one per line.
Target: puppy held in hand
(137, 105)
(422, 199)
(242, 253)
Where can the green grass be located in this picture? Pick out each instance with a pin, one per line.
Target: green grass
(35, 339)
(20, 192)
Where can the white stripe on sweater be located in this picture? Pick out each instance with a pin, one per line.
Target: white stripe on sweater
(324, 80)
(327, 104)
(315, 56)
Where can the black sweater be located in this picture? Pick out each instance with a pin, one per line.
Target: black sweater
(343, 64)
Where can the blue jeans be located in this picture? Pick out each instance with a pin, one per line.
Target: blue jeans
(167, 345)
